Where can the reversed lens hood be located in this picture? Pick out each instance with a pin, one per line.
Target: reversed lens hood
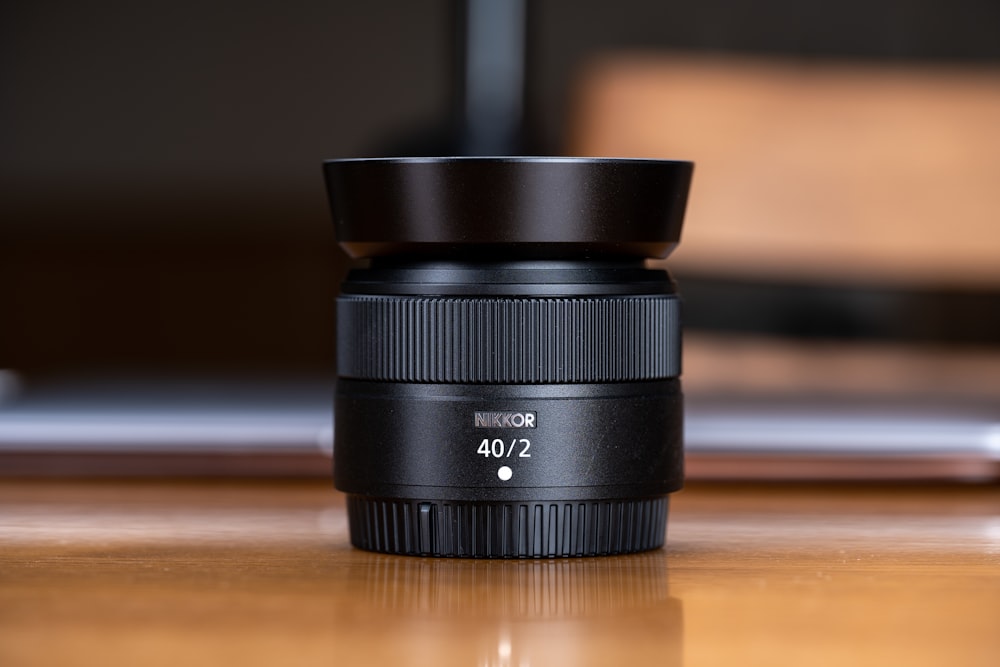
(535, 207)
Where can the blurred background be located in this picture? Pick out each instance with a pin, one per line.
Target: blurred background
(165, 238)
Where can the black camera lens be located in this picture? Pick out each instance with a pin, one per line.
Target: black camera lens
(508, 364)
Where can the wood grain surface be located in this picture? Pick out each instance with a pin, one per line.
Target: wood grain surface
(261, 573)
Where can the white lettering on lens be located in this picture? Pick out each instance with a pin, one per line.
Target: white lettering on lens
(505, 419)
(495, 448)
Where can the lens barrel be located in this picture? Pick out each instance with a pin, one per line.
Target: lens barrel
(508, 366)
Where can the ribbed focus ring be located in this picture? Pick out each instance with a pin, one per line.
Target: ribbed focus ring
(507, 530)
(513, 340)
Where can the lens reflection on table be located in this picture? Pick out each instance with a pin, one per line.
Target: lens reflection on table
(525, 612)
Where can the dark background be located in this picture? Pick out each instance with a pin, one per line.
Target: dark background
(161, 203)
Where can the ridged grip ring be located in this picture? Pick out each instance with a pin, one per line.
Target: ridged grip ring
(508, 340)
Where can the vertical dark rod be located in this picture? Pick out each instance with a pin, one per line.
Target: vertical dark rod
(491, 76)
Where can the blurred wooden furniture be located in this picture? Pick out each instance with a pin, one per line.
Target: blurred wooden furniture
(849, 173)
(254, 573)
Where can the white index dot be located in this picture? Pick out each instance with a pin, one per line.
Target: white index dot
(505, 473)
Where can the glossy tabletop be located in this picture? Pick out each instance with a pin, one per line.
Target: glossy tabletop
(248, 573)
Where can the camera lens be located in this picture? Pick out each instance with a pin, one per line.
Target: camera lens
(508, 365)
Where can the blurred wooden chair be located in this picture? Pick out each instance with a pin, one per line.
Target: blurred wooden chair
(818, 173)
(870, 174)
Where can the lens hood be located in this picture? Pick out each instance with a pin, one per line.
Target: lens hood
(536, 207)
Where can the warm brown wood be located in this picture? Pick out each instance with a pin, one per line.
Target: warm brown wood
(262, 574)
(828, 171)
(156, 573)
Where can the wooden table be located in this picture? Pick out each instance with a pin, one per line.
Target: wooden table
(261, 573)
